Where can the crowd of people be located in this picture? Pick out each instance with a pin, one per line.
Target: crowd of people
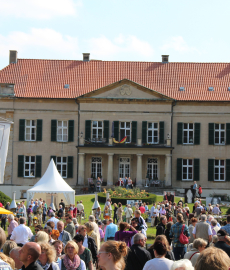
(115, 238)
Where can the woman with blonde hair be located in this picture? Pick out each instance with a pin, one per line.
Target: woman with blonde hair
(42, 237)
(106, 213)
(91, 233)
(8, 246)
(111, 255)
(47, 258)
(71, 260)
(119, 213)
(199, 245)
(8, 260)
(98, 213)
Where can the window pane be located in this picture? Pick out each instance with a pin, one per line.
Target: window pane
(149, 125)
(184, 161)
(122, 124)
(33, 122)
(32, 158)
(222, 162)
(64, 123)
(216, 126)
(222, 126)
(94, 123)
(155, 125)
(216, 162)
(190, 126)
(185, 125)
(64, 159)
(59, 123)
(127, 124)
(190, 162)
(99, 123)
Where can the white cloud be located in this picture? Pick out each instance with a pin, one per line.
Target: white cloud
(38, 9)
(178, 44)
(103, 47)
(39, 39)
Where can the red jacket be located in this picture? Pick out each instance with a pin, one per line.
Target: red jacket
(200, 190)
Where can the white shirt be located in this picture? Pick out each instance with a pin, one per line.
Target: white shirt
(80, 207)
(82, 265)
(55, 220)
(85, 243)
(21, 234)
(158, 264)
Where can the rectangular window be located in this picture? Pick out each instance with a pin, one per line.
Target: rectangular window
(152, 170)
(30, 130)
(29, 166)
(188, 133)
(219, 133)
(219, 170)
(96, 167)
(62, 131)
(152, 133)
(124, 167)
(62, 166)
(125, 130)
(97, 130)
(187, 169)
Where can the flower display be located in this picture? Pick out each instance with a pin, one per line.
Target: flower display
(129, 193)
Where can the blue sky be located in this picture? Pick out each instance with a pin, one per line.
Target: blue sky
(118, 30)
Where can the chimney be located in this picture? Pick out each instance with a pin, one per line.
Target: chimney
(13, 57)
(165, 58)
(86, 57)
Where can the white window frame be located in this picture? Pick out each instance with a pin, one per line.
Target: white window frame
(30, 128)
(187, 166)
(124, 161)
(97, 161)
(62, 129)
(97, 129)
(62, 163)
(219, 131)
(187, 130)
(128, 140)
(151, 165)
(153, 129)
(219, 167)
(29, 163)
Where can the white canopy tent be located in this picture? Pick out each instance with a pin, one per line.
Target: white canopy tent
(52, 184)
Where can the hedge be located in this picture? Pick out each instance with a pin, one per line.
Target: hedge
(4, 199)
(150, 199)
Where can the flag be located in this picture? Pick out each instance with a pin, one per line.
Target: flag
(121, 141)
(4, 142)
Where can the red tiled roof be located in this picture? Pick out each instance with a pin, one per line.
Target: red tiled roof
(46, 78)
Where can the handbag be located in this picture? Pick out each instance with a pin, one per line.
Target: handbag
(183, 238)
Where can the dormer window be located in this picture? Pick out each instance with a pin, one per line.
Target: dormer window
(181, 88)
(211, 88)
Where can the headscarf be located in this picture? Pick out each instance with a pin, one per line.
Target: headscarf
(71, 265)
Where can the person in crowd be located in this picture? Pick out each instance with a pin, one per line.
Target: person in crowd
(178, 248)
(70, 228)
(167, 232)
(106, 213)
(17, 210)
(40, 202)
(36, 229)
(102, 235)
(88, 242)
(146, 206)
(3, 218)
(51, 224)
(191, 227)
(8, 246)
(98, 213)
(105, 222)
(227, 226)
(111, 255)
(111, 230)
(200, 191)
(214, 227)
(21, 233)
(183, 264)
(142, 224)
(91, 233)
(125, 181)
(212, 259)
(29, 215)
(62, 204)
(12, 224)
(162, 211)
(70, 210)
(28, 255)
(71, 260)
(119, 213)
(115, 213)
(123, 235)
(42, 236)
(203, 230)
(52, 218)
(120, 183)
(39, 214)
(153, 214)
(60, 213)
(216, 210)
(209, 219)
(35, 207)
(48, 230)
(94, 224)
(142, 209)
(161, 226)
(14, 254)
(194, 188)
(128, 213)
(64, 235)
(47, 258)
(134, 223)
(50, 211)
(7, 207)
(55, 235)
(76, 225)
(199, 245)
(6, 262)
(159, 262)
(130, 183)
(91, 185)
(162, 238)
(222, 241)
(58, 245)
(138, 255)
(84, 253)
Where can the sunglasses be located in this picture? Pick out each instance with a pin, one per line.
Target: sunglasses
(36, 230)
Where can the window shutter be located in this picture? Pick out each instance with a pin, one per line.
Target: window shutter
(227, 169)
(71, 131)
(53, 130)
(144, 131)
(162, 133)
(227, 133)
(211, 134)
(211, 170)
(88, 130)
(196, 169)
(134, 131)
(179, 133)
(106, 130)
(22, 130)
(70, 167)
(54, 158)
(20, 166)
(197, 134)
(38, 169)
(179, 169)
(39, 130)
(116, 130)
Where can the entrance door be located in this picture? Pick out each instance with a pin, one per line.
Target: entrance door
(124, 167)
(152, 170)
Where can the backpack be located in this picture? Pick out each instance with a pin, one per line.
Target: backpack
(183, 239)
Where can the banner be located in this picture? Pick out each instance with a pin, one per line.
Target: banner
(4, 142)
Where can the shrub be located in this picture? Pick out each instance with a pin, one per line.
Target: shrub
(127, 193)
(4, 198)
